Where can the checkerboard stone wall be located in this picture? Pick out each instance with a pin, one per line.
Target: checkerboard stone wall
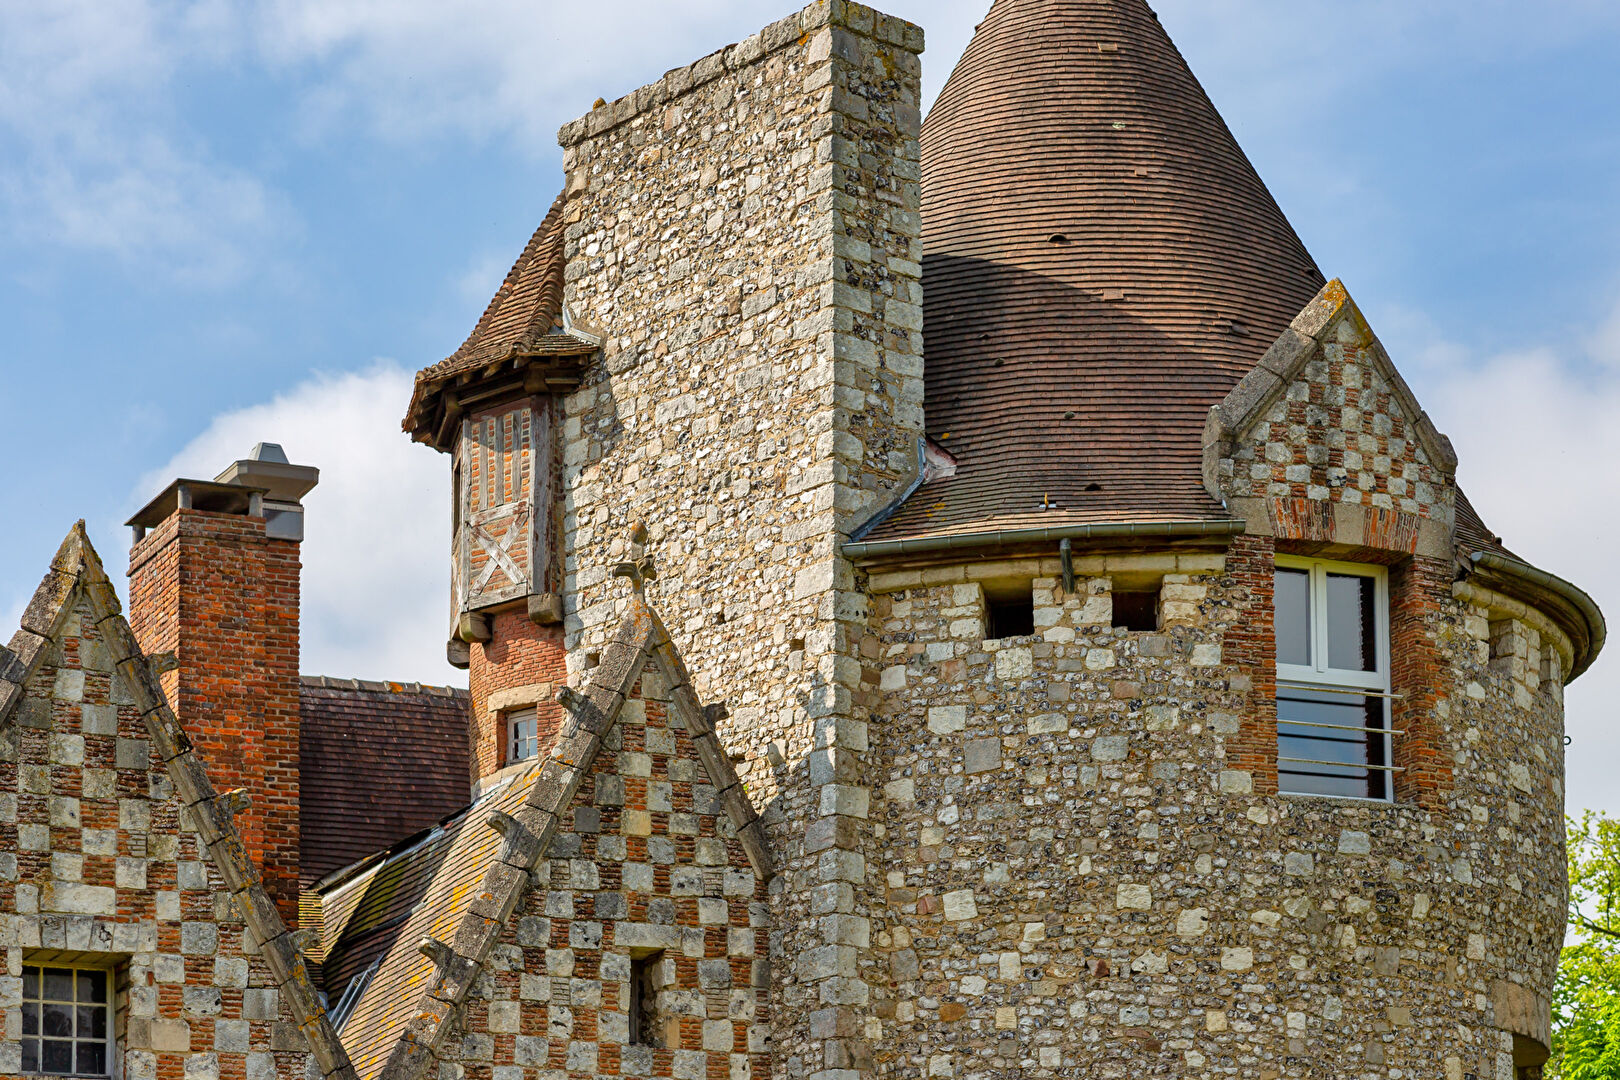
(96, 860)
(650, 863)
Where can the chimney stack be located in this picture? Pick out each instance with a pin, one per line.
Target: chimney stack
(214, 578)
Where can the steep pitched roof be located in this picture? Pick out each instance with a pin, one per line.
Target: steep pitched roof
(408, 742)
(1101, 264)
(430, 915)
(77, 571)
(523, 322)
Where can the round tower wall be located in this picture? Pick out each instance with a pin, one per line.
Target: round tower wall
(1087, 871)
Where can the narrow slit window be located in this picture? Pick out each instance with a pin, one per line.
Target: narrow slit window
(1136, 610)
(66, 1020)
(644, 999)
(1011, 614)
(1333, 690)
(522, 735)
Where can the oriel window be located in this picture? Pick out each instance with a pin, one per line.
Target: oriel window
(66, 1020)
(1333, 696)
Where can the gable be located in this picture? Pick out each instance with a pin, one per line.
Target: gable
(122, 852)
(1324, 440)
(472, 878)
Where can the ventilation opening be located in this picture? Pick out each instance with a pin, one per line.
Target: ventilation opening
(1136, 610)
(644, 1029)
(1011, 613)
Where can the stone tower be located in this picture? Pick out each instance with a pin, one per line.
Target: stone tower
(1124, 684)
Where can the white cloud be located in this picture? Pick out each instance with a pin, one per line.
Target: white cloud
(91, 156)
(1535, 434)
(376, 548)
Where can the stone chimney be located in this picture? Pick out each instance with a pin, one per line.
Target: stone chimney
(214, 579)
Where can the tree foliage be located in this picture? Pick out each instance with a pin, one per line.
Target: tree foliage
(1586, 1001)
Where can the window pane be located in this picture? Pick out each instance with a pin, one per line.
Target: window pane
(93, 986)
(58, 984)
(1293, 603)
(56, 1057)
(1351, 609)
(30, 1055)
(1325, 741)
(93, 1058)
(31, 982)
(58, 1020)
(92, 1022)
(30, 1017)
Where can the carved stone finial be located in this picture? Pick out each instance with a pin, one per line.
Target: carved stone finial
(639, 568)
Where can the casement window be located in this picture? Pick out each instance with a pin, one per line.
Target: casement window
(522, 735)
(67, 1020)
(1333, 698)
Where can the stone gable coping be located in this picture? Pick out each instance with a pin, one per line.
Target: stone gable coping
(778, 35)
(527, 835)
(77, 567)
(1248, 401)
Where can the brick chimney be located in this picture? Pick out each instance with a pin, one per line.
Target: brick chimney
(214, 578)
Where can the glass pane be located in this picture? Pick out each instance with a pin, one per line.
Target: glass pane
(1351, 609)
(30, 1055)
(58, 984)
(1325, 741)
(1293, 603)
(92, 1022)
(31, 983)
(56, 1057)
(31, 1018)
(93, 986)
(58, 1020)
(93, 1058)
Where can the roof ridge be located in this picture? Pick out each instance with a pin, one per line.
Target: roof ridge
(338, 682)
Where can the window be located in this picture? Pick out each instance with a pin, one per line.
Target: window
(644, 999)
(522, 735)
(1010, 613)
(1136, 610)
(1332, 628)
(66, 1020)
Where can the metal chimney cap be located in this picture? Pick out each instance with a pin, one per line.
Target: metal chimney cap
(269, 451)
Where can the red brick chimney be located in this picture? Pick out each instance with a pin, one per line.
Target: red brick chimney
(214, 578)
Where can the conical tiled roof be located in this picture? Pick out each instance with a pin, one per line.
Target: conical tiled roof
(1102, 264)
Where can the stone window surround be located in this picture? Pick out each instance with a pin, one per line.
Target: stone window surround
(1373, 683)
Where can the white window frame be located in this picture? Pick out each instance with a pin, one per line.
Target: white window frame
(512, 719)
(1317, 673)
(110, 973)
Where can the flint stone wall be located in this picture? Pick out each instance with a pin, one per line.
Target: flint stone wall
(1079, 881)
(744, 233)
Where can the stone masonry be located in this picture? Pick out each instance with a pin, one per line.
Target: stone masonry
(745, 232)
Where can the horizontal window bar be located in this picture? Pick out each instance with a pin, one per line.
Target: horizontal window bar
(1343, 727)
(1313, 688)
(1342, 764)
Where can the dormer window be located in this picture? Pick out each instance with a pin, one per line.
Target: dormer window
(1332, 630)
(522, 735)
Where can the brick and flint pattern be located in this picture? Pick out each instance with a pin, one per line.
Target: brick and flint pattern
(644, 863)
(97, 862)
(1082, 881)
(744, 234)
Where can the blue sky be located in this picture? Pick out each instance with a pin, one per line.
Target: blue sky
(226, 222)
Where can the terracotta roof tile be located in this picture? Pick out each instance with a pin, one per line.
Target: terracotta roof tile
(524, 319)
(1101, 264)
(378, 762)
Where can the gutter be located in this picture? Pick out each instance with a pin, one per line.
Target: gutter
(1596, 625)
(1007, 537)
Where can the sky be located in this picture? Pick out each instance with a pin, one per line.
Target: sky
(222, 223)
